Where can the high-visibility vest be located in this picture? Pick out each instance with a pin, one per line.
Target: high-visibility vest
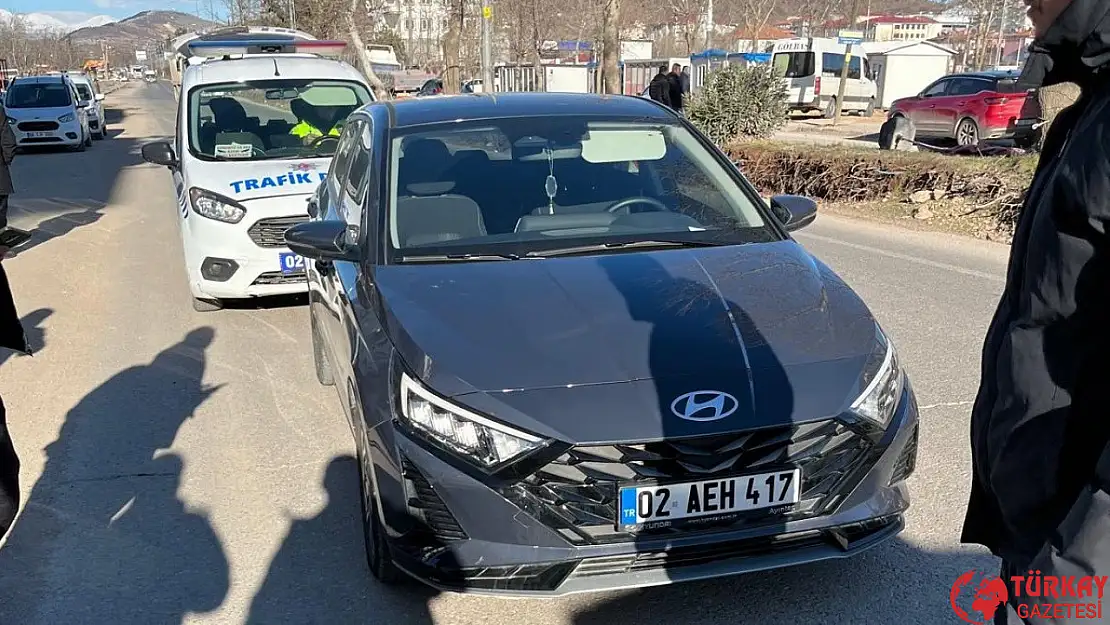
(305, 129)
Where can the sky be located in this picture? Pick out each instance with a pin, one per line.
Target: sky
(75, 11)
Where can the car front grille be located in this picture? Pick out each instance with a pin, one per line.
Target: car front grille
(38, 126)
(277, 277)
(271, 232)
(576, 494)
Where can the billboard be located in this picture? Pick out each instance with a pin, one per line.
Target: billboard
(140, 55)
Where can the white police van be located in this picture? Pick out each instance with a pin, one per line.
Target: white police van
(257, 125)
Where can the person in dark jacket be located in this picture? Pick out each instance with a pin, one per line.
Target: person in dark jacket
(12, 337)
(7, 155)
(675, 80)
(1040, 426)
(659, 89)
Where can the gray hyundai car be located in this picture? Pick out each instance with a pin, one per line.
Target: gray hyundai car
(579, 352)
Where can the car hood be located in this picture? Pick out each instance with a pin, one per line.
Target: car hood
(252, 180)
(574, 347)
(45, 114)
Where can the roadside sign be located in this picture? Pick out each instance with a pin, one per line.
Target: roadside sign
(487, 12)
(849, 36)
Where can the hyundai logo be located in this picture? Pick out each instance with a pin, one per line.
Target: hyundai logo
(704, 405)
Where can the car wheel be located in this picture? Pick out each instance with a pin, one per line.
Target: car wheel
(319, 356)
(378, 556)
(88, 140)
(99, 134)
(80, 147)
(207, 305)
(967, 133)
(830, 109)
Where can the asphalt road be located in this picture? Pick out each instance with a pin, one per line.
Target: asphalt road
(186, 467)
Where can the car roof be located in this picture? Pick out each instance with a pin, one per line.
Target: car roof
(419, 111)
(39, 80)
(263, 66)
(988, 74)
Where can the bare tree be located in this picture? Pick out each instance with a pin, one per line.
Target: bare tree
(456, 16)
(611, 43)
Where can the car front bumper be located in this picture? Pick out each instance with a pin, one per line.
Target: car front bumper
(457, 533)
(243, 260)
(47, 133)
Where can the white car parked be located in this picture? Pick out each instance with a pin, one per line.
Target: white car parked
(47, 111)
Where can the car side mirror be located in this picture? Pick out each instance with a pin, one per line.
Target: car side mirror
(159, 153)
(794, 211)
(100, 97)
(323, 241)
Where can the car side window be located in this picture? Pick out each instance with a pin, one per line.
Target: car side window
(356, 179)
(342, 160)
(969, 86)
(937, 89)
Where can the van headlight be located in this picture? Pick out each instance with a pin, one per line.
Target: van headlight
(68, 117)
(480, 440)
(882, 383)
(215, 206)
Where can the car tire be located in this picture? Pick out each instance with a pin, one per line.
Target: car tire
(207, 305)
(830, 109)
(88, 140)
(967, 132)
(378, 556)
(99, 135)
(319, 356)
(80, 147)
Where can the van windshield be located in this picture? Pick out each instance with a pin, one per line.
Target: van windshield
(793, 64)
(38, 95)
(270, 119)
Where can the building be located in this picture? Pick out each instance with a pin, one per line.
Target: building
(903, 68)
(763, 40)
(901, 28)
(420, 24)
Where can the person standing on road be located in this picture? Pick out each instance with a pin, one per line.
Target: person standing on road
(675, 81)
(12, 337)
(659, 89)
(1040, 425)
(7, 155)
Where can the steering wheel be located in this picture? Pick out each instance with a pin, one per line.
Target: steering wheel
(321, 139)
(629, 201)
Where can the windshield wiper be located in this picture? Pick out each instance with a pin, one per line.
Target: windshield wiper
(439, 258)
(599, 247)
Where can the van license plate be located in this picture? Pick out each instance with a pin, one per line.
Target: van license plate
(290, 262)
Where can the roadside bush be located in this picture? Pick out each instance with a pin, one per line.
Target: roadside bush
(739, 102)
(990, 187)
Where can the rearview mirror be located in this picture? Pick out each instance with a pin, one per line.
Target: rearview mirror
(100, 97)
(794, 211)
(159, 153)
(323, 241)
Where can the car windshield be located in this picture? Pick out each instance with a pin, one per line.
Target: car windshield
(523, 186)
(83, 91)
(270, 119)
(37, 95)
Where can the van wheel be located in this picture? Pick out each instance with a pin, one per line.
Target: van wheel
(967, 132)
(207, 305)
(319, 356)
(830, 109)
(88, 140)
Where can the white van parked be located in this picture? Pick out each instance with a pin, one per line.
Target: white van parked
(810, 69)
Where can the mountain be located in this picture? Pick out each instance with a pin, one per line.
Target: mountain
(147, 26)
(55, 21)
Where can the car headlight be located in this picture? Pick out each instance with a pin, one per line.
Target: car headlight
(68, 117)
(482, 441)
(216, 206)
(882, 384)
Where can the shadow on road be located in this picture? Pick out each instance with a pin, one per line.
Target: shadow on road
(855, 590)
(103, 537)
(320, 575)
(36, 334)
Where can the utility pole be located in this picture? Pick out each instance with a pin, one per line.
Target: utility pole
(839, 104)
(487, 48)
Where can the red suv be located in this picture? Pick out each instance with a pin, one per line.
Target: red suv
(966, 107)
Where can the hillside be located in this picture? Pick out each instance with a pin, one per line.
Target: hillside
(52, 21)
(147, 26)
